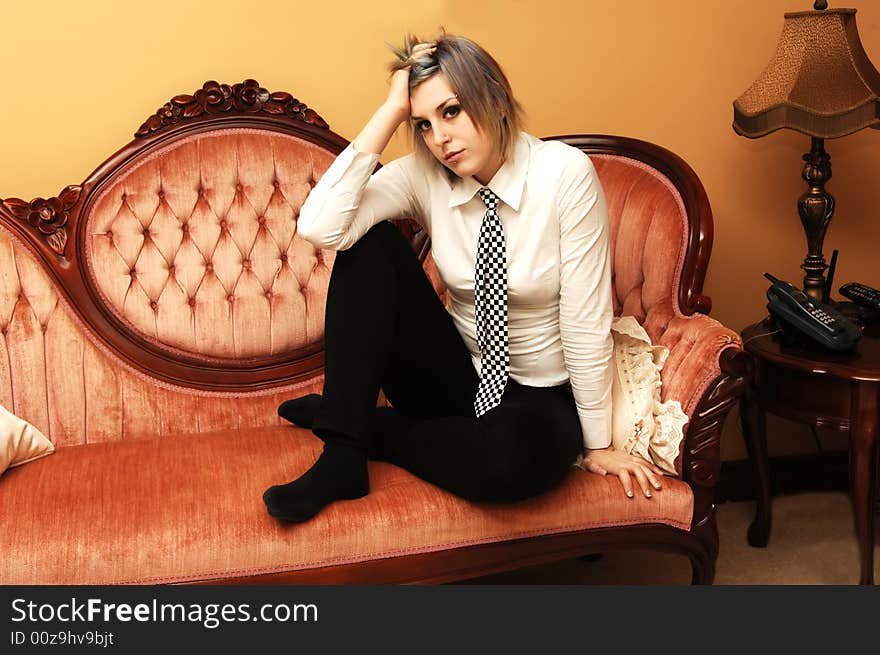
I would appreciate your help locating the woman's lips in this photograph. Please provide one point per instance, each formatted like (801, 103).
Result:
(453, 157)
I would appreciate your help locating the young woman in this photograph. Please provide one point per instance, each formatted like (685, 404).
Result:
(497, 397)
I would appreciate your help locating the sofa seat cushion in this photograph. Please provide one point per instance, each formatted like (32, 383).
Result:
(189, 508)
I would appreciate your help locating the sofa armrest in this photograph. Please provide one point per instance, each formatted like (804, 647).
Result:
(706, 372)
(696, 344)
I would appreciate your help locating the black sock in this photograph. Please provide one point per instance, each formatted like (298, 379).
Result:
(340, 473)
(300, 411)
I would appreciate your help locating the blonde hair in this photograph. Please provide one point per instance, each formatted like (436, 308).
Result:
(476, 78)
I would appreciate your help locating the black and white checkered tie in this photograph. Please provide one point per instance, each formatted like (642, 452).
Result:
(490, 301)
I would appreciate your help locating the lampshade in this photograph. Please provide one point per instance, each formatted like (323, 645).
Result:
(819, 82)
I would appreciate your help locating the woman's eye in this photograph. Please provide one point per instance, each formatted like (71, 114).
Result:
(423, 126)
(452, 111)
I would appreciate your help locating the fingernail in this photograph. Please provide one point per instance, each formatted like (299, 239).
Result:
(629, 493)
(648, 494)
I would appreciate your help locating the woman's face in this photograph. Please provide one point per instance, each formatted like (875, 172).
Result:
(450, 134)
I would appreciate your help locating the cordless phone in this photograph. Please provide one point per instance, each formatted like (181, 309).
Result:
(807, 317)
(861, 294)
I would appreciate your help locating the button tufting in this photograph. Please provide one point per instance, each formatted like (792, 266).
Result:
(161, 193)
(269, 294)
(283, 258)
(276, 184)
(153, 305)
(191, 302)
(185, 228)
(238, 186)
(209, 267)
(230, 298)
(124, 196)
(246, 264)
(133, 273)
(146, 231)
(303, 290)
(261, 220)
(109, 234)
(223, 224)
(171, 269)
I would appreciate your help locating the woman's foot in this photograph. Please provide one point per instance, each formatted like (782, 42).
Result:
(340, 473)
(300, 411)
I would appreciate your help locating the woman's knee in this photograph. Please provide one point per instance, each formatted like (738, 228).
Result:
(368, 266)
(378, 241)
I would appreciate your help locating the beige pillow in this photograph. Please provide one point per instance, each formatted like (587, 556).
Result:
(20, 442)
(640, 423)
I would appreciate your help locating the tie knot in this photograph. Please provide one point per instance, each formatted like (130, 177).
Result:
(489, 198)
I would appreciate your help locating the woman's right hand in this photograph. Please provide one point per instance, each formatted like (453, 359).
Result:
(608, 461)
(398, 94)
(376, 134)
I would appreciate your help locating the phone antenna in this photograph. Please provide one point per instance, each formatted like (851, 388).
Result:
(826, 292)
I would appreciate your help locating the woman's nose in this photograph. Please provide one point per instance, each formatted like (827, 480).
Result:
(440, 136)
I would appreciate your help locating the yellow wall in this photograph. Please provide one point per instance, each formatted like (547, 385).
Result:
(79, 78)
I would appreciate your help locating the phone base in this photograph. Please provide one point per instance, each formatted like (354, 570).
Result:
(792, 337)
(858, 313)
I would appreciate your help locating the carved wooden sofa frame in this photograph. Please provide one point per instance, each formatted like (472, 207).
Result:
(119, 392)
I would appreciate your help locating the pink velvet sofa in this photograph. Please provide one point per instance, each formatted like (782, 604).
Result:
(154, 316)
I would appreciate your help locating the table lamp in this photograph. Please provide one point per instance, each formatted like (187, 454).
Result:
(821, 83)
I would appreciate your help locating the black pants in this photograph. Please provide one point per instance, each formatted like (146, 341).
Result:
(386, 328)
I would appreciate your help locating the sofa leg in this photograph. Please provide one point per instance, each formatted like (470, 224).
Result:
(592, 557)
(704, 555)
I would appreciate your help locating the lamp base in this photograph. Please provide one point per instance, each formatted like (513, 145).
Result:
(815, 207)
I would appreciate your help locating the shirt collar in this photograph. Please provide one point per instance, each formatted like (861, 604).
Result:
(508, 183)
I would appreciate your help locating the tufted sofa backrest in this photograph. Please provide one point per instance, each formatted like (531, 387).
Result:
(170, 293)
(195, 247)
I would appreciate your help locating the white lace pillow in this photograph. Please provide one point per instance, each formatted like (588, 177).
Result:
(20, 442)
(640, 423)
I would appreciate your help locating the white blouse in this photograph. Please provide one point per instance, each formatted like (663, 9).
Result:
(557, 233)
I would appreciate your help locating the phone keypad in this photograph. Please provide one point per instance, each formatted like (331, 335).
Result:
(823, 316)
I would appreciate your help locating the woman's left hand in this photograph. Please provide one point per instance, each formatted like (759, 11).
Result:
(617, 462)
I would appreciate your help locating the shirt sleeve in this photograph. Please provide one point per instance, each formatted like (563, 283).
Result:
(585, 301)
(348, 199)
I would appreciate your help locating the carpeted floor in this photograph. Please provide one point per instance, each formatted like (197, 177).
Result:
(812, 543)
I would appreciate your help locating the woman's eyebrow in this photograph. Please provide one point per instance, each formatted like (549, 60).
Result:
(437, 108)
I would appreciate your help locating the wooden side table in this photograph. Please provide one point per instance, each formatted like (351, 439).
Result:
(824, 389)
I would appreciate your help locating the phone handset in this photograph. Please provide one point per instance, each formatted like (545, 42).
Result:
(801, 304)
(817, 322)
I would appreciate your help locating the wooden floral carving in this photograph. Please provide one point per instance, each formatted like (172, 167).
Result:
(47, 216)
(248, 97)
